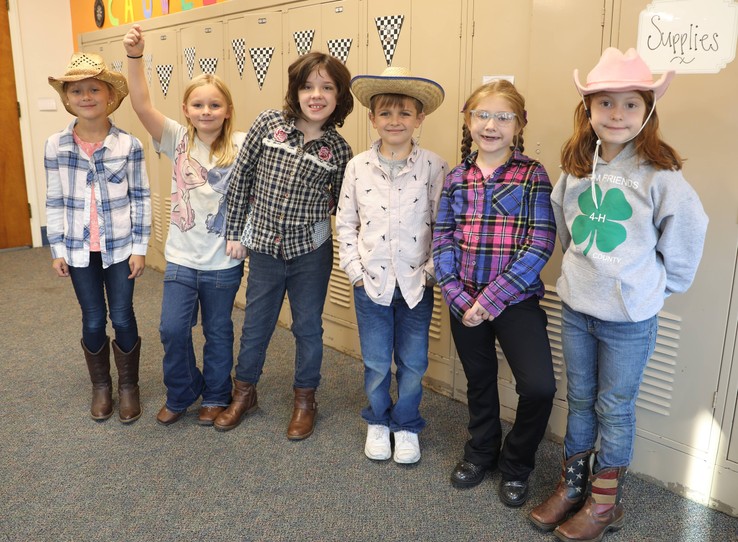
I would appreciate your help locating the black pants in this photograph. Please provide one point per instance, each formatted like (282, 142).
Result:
(521, 332)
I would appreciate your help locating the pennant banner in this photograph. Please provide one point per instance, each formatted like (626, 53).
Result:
(304, 41)
(208, 65)
(340, 48)
(165, 75)
(239, 51)
(189, 54)
(261, 57)
(389, 32)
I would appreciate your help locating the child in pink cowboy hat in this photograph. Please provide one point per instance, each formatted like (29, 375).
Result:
(632, 231)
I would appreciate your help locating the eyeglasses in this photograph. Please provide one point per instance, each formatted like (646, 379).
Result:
(503, 118)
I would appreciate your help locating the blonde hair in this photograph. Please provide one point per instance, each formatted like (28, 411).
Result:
(505, 90)
(222, 148)
(576, 154)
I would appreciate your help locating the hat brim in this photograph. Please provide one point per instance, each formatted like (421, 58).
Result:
(658, 87)
(115, 79)
(428, 92)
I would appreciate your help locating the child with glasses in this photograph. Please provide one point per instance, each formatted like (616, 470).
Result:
(494, 233)
(632, 231)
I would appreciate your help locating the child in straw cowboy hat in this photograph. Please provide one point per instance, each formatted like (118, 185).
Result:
(98, 222)
(632, 231)
(384, 223)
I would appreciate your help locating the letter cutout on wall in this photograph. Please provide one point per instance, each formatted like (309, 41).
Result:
(239, 52)
(261, 57)
(304, 41)
(340, 48)
(113, 19)
(389, 28)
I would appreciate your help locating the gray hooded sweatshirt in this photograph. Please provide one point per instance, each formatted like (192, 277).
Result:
(630, 239)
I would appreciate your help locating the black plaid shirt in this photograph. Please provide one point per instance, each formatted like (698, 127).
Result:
(289, 186)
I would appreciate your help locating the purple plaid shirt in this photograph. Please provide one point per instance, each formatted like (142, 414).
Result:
(493, 236)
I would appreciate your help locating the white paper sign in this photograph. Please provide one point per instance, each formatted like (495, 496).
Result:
(688, 36)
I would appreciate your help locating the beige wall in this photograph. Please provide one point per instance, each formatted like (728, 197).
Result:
(41, 37)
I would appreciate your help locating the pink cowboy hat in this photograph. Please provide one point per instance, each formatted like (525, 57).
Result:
(620, 72)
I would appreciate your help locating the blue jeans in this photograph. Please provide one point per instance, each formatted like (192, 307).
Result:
(403, 330)
(604, 369)
(92, 284)
(186, 292)
(305, 280)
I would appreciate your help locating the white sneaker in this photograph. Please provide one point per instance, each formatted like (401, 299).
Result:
(378, 442)
(407, 447)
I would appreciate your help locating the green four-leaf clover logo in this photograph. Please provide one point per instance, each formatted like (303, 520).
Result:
(597, 221)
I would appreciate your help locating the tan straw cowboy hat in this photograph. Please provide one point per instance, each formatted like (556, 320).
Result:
(396, 80)
(86, 66)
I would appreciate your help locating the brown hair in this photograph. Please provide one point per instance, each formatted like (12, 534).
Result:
(222, 148)
(298, 74)
(576, 154)
(393, 100)
(505, 90)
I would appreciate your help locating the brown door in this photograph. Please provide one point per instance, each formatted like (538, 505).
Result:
(15, 216)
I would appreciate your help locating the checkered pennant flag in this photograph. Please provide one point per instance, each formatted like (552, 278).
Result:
(116, 65)
(340, 48)
(239, 49)
(165, 76)
(304, 41)
(389, 32)
(149, 66)
(189, 54)
(261, 57)
(208, 65)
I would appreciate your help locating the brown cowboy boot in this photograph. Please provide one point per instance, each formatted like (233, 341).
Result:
(303, 415)
(568, 496)
(127, 363)
(98, 364)
(602, 512)
(244, 402)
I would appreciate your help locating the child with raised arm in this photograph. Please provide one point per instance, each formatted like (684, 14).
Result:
(286, 182)
(384, 224)
(632, 231)
(203, 274)
(98, 213)
(494, 233)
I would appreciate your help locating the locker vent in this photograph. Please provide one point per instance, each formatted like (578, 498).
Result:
(438, 306)
(156, 221)
(656, 390)
(167, 214)
(658, 379)
(339, 287)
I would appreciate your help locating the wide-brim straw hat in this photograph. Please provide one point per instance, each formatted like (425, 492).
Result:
(86, 66)
(397, 80)
(620, 72)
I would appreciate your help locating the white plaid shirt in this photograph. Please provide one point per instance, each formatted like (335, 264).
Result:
(290, 187)
(117, 174)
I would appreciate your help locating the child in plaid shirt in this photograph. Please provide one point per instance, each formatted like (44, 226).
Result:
(285, 185)
(98, 213)
(494, 233)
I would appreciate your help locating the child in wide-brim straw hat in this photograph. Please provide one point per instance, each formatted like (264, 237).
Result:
(90, 66)
(384, 222)
(98, 213)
